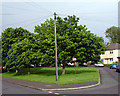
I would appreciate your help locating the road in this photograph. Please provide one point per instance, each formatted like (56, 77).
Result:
(109, 85)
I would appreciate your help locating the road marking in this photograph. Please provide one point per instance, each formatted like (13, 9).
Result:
(50, 92)
(57, 93)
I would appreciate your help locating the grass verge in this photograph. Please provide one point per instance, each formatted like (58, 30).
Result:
(47, 75)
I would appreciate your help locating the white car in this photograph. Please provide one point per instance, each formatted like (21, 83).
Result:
(99, 65)
(70, 64)
(32, 66)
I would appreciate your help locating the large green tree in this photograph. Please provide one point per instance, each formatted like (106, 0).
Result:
(23, 53)
(113, 34)
(45, 40)
(73, 40)
(17, 45)
(11, 36)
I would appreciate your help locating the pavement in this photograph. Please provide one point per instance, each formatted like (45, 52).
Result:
(50, 87)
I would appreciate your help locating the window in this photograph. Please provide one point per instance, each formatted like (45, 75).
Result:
(111, 52)
(102, 60)
(111, 59)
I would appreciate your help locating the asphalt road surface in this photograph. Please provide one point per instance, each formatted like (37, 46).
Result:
(109, 85)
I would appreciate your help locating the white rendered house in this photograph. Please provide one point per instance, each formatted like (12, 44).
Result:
(112, 54)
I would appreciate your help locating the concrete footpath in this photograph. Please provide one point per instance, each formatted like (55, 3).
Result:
(50, 87)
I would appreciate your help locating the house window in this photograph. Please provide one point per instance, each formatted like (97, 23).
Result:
(102, 60)
(111, 59)
(111, 52)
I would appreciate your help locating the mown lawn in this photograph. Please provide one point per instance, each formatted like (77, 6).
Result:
(47, 75)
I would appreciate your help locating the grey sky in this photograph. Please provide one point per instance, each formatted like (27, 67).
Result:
(97, 16)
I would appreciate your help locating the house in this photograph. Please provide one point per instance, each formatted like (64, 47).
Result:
(112, 54)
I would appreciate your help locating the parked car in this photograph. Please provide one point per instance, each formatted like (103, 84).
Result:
(83, 65)
(32, 66)
(113, 66)
(99, 65)
(70, 64)
(118, 68)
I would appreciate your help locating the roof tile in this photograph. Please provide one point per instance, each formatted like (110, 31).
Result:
(114, 46)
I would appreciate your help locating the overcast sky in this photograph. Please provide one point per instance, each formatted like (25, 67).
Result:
(97, 15)
(60, 0)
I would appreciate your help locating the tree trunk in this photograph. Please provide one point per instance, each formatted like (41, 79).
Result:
(28, 70)
(35, 65)
(63, 71)
(16, 71)
(8, 70)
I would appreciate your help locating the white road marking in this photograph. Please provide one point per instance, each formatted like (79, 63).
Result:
(56, 93)
(50, 92)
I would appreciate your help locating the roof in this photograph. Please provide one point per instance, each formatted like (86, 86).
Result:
(114, 46)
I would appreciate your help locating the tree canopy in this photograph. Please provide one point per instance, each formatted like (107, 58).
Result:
(113, 34)
(23, 48)
(73, 40)
(23, 54)
(16, 43)
(11, 36)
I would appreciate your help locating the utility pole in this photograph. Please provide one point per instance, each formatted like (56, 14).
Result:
(55, 47)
